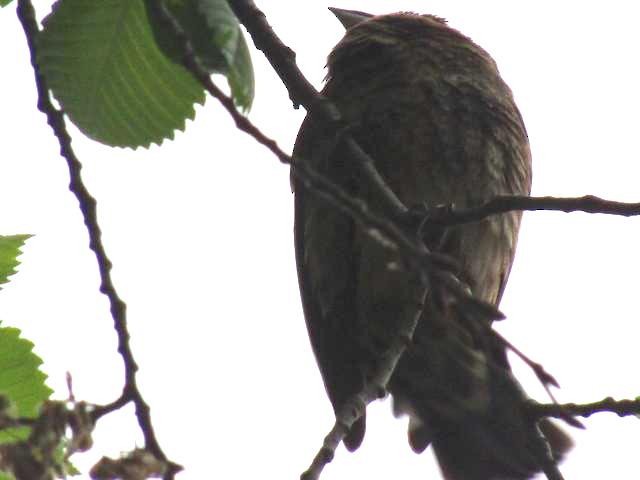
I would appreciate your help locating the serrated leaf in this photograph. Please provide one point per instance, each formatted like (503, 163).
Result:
(9, 250)
(20, 379)
(104, 67)
(217, 40)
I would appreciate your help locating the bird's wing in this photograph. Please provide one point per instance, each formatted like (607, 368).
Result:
(325, 263)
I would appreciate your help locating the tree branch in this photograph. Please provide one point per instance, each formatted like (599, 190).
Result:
(301, 92)
(622, 408)
(447, 215)
(88, 208)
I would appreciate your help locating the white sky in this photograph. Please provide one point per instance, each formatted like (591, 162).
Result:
(200, 234)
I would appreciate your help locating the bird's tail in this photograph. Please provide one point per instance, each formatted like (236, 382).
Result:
(464, 401)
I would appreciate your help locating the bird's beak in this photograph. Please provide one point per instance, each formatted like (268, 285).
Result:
(350, 18)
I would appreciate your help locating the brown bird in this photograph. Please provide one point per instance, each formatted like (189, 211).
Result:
(429, 106)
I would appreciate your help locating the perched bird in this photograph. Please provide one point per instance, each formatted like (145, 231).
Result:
(429, 106)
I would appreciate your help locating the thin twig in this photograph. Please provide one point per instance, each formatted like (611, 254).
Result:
(100, 411)
(544, 377)
(622, 408)
(87, 204)
(447, 215)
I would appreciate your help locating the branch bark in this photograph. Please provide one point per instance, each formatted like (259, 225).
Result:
(447, 215)
(622, 408)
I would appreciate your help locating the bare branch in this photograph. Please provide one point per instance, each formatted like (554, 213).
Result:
(447, 215)
(622, 408)
(544, 377)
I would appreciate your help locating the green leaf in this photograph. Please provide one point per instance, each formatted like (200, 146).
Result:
(21, 381)
(6, 476)
(105, 69)
(241, 78)
(217, 40)
(9, 251)
(4, 3)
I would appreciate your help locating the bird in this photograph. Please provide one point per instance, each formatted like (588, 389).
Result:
(430, 108)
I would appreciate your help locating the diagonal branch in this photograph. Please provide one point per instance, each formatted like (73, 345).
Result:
(87, 204)
(301, 92)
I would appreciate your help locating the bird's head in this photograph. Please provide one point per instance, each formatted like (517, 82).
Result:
(351, 18)
(376, 40)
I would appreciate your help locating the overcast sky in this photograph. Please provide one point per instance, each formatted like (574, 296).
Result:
(200, 234)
